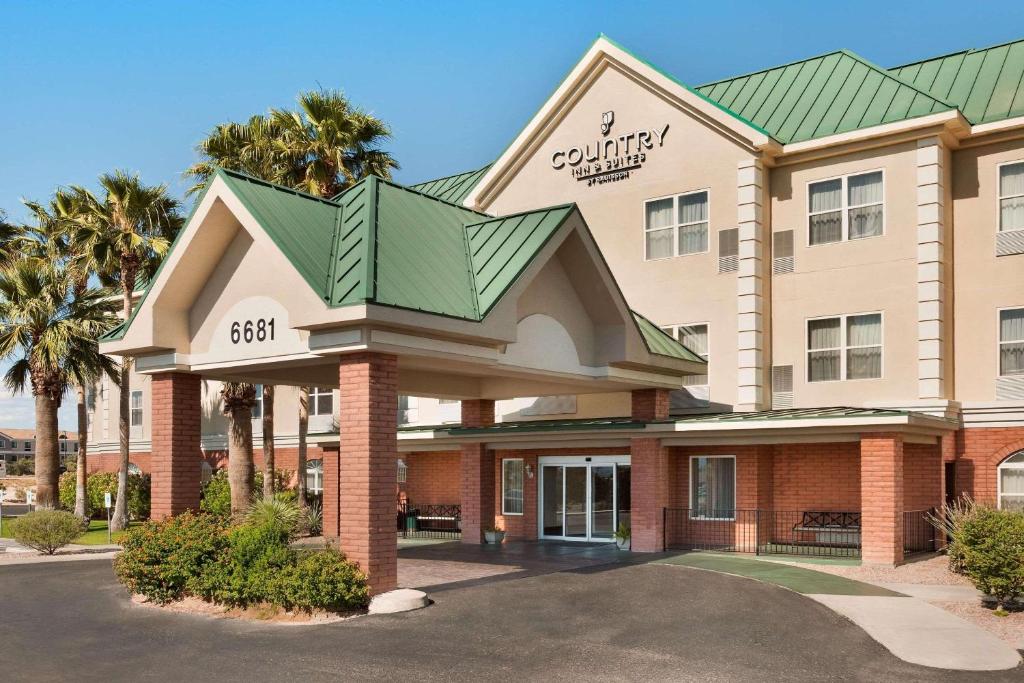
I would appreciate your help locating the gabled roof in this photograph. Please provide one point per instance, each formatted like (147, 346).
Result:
(659, 342)
(452, 188)
(986, 84)
(833, 93)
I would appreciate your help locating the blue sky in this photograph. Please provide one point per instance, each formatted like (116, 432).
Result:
(88, 87)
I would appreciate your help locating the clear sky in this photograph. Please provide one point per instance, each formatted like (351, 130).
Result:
(86, 87)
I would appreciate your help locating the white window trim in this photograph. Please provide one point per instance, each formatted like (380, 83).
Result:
(843, 348)
(1000, 342)
(313, 407)
(522, 493)
(131, 409)
(1000, 197)
(689, 493)
(999, 478)
(844, 209)
(258, 401)
(674, 226)
(705, 356)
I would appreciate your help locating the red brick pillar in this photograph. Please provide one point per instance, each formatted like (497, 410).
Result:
(649, 488)
(881, 496)
(477, 465)
(650, 404)
(177, 443)
(367, 466)
(331, 498)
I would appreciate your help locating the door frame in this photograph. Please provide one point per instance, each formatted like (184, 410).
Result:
(586, 461)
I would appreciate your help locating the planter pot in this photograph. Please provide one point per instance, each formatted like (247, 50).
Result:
(495, 537)
(622, 543)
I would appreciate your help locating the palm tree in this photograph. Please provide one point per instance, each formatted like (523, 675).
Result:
(49, 330)
(321, 148)
(268, 441)
(238, 399)
(125, 234)
(10, 239)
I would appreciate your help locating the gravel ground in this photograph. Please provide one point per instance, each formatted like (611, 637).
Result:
(933, 571)
(1009, 628)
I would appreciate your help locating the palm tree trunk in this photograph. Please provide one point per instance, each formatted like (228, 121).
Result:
(81, 463)
(268, 441)
(303, 429)
(119, 520)
(47, 459)
(240, 465)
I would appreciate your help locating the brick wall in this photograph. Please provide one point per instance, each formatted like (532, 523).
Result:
(176, 426)
(881, 498)
(817, 476)
(649, 404)
(432, 478)
(980, 451)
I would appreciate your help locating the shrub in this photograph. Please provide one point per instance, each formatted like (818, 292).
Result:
(244, 573)
(101, 482)
(22, 467)
(216, 496)
(321, 580)
(949, 520)
(277, 512)
(314, 519)
(993, 553)
(46, 530)
(160, 559)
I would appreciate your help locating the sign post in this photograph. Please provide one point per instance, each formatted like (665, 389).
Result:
(30, 499)
(3, 494)
(106, 504)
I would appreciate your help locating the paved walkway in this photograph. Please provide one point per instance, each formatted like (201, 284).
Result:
(910, 628)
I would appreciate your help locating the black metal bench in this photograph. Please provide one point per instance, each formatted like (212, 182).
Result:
(831, 528)
(430, 518)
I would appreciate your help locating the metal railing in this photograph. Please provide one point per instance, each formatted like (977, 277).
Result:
(429, 521)
(919, 536)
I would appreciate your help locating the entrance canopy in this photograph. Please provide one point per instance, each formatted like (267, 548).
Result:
(267, 284)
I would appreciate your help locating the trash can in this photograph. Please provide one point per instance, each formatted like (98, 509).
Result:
(410, 520)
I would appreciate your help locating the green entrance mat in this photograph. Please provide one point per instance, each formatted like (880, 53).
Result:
(794, 578)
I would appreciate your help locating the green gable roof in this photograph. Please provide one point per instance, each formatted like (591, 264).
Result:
(663, 344)
(453, 188)
(985, 84)
(833, 93)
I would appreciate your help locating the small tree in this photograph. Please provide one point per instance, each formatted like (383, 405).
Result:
(993, 553)
(238, 400)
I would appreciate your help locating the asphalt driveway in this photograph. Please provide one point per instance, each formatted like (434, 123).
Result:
(603, 622)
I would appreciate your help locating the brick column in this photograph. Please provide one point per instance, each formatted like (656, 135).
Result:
(649, 404)
(331, 497)
(367, 468)
(649, 478)
(177, 451)
(477, 466)
(881, 496)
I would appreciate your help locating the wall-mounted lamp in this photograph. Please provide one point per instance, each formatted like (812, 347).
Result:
(529, 471)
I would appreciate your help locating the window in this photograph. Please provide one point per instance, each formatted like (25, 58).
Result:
(1011, 482)
(321, 401)
(847, 208)
(676, 226)
(512, 486)
(136, 409)
(257, 407)
(1011, 197)
(3, 444)
(1011, 342)
(695, 338)
(403, 471)
(27, 446)
(712, 486)
(844, 347)
(315, 477)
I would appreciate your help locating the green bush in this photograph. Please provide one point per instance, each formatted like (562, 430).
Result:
(313, 523)
(992, 547)
(216, 495)
(244, 573)
(160, 559)
(99, 483)
(321, 580)
(46, 530)
(277, 512)
(21, 467)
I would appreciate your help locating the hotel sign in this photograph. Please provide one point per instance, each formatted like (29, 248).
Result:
(611, 158)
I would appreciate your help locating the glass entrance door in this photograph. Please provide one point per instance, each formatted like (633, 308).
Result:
(582, 501)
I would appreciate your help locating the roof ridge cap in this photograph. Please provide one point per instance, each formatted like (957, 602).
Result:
(770, 68)
(275, 186)
(554, 207)
(885, 72)
(446, 177)
(966, 51)
(399, 186)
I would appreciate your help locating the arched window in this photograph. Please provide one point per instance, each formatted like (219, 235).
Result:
(205, 472)
(134, 469)
(315, 477)
(1011, 482)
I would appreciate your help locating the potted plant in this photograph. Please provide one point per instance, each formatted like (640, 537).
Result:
(622, 536)
(494, 535)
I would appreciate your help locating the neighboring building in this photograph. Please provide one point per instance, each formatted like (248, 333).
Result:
(20, 444)
(843, 244)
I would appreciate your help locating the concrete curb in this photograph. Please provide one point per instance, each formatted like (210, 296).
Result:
(400, 600)
(924, 634)
(8, 559)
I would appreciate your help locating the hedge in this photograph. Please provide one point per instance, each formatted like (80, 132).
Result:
(99, 483)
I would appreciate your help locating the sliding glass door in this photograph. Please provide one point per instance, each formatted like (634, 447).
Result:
(581, 500)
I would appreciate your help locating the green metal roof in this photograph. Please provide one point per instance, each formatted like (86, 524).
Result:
(985, 84)
(661, 343)
(453, 188)
(833, 93)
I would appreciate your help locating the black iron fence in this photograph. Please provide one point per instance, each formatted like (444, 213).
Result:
(429, 521)
(786, 532)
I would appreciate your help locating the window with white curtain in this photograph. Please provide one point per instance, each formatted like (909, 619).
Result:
(694, 337)
(1011, 482)
(844, 347)
(1011, 197)
(676, 226)
(257, 408)
(512, 486)
(713, 487)
(136, 409)
(847, 208)
(1011, 341)
(315, 477)
(321, 401)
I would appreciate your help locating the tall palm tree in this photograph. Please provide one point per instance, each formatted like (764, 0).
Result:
(125, 231)
(268, 441)
(49, 330)
(238, 398)
(321, 148)
(10, 239)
